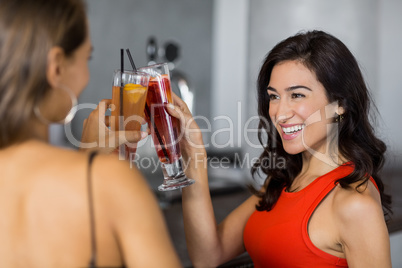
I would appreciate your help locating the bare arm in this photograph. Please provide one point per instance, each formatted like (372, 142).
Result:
(363, 232)
(135, 217)
(208, 244)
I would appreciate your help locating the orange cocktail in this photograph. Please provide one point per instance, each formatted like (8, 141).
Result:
(129, 94)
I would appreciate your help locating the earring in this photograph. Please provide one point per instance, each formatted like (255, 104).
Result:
(339, 118)
(70, 115)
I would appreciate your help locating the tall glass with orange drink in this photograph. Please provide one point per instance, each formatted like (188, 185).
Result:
(164, 127)
(128, 98)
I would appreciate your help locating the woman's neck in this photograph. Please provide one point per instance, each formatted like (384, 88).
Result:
(320, 164)
(39, 131)
(312, 168)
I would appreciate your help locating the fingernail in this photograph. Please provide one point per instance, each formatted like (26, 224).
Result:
(144, 135)
(171, 106)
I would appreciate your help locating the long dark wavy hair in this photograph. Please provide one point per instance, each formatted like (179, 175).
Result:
(338, 71)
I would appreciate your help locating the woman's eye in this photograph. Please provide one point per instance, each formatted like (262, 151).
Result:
(273, 97)
(297, 95)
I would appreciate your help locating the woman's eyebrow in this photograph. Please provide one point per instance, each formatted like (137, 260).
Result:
(297, 87)
(290, 88)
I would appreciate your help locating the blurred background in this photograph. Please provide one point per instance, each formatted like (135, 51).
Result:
(217, 47)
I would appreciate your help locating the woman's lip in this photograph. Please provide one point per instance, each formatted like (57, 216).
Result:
(290, 136)
(290, 125)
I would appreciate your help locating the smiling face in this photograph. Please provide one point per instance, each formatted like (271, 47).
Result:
(299, 108)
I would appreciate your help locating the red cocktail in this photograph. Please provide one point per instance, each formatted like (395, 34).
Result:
(159, 94)
(164, 127)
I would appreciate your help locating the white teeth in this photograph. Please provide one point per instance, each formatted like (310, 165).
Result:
(290, 130)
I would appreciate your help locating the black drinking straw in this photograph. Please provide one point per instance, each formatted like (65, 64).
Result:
(148, 111)
(121, 80)
(131, 59)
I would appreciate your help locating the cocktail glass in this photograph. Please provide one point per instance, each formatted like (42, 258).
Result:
(129, 94)
(164, 128)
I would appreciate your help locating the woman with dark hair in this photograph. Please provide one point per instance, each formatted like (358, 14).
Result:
(326, 206)
(58, 207)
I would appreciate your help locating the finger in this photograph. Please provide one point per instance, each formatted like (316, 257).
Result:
(173, 110)
(103, 106)
(130, 136)
(108, 102)
(107, 121)
(179, 102)
(176, 112)
(100, 111)
(135, 136)
(85, 122)
(142, 120)
(148, 130)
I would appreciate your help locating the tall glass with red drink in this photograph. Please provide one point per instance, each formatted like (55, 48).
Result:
(164, 127)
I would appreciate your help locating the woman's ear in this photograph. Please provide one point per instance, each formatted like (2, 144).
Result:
(55, 59)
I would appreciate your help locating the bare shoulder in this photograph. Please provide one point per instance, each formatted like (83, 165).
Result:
(110, 166)
(114, 182)
(357, 203)
(109, 174)
(131, 209)
(362, 231)
(115, 176)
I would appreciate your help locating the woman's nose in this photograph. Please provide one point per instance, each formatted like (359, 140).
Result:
(283, 112)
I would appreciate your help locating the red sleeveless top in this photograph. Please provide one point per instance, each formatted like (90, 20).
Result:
(279, 238)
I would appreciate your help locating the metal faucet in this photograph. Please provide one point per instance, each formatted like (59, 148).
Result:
(178, 80)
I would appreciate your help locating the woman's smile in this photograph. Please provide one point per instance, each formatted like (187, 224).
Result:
(291, 131)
